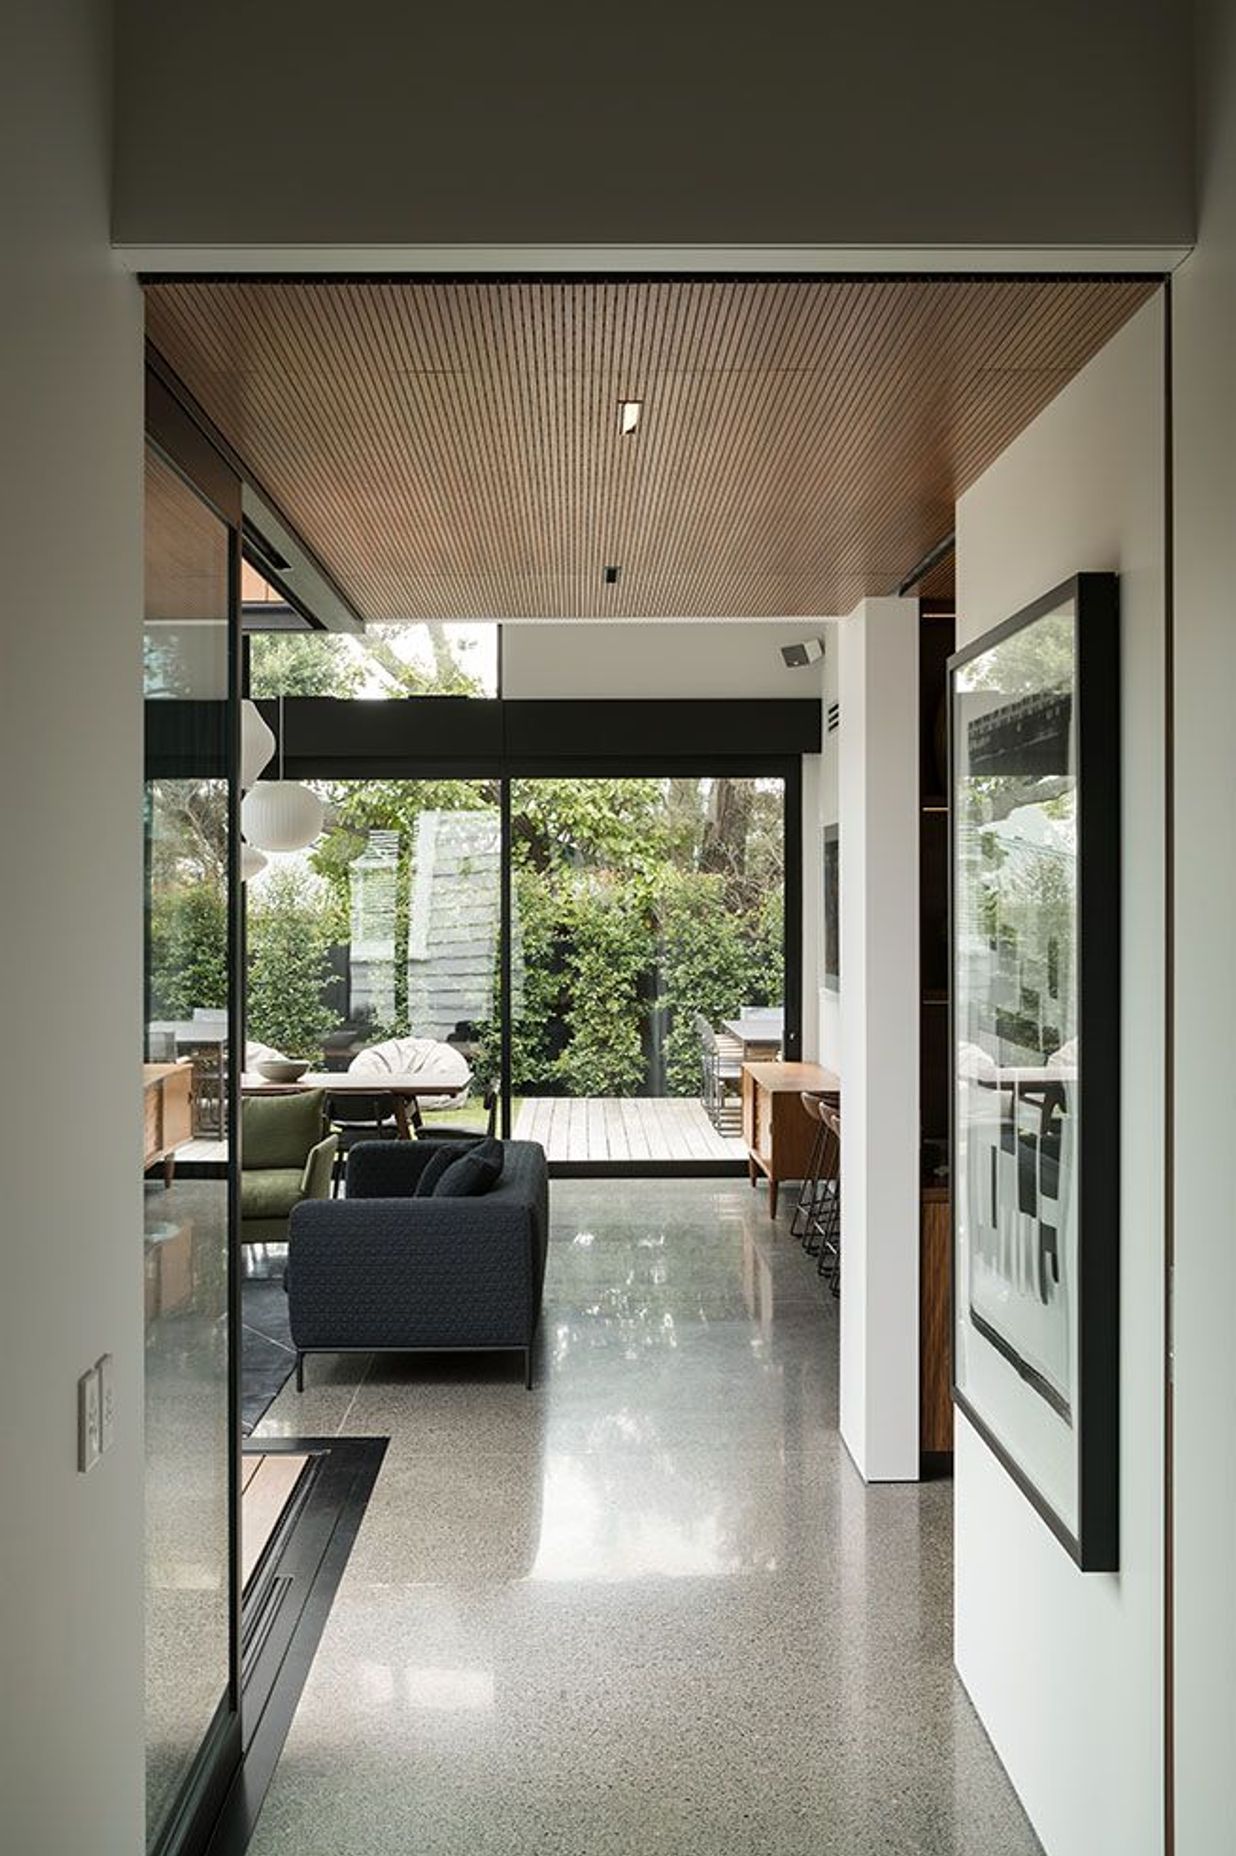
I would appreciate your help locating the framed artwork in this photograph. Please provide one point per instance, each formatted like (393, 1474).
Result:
(1035, 954)
(832, 920)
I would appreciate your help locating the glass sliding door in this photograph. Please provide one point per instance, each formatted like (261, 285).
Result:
(190, 679)
(648, 960)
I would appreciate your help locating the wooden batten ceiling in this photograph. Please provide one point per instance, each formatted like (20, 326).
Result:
(452, 450)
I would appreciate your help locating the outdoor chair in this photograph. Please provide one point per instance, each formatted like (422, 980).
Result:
(438, 1131)
(721, 1074)
(371, 1118)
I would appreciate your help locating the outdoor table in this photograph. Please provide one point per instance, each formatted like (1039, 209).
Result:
(401, 1086)
(757, 1032)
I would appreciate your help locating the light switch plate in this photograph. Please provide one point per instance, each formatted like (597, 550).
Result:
(88, 1427)
(106, 1369)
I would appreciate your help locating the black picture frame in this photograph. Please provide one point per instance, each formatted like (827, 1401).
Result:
(1087, 715)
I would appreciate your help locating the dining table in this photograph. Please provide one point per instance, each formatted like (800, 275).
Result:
(404, 1088)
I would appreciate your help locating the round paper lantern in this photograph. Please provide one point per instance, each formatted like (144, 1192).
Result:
(251, 861)
(257, 743)
(281, 815)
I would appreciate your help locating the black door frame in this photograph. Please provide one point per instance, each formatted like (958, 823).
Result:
(504, 740)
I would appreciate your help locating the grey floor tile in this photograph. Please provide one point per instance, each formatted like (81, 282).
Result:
(648, 1606)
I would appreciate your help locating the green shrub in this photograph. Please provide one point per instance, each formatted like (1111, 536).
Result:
(607, 949)
(188, 950)
(292, 925)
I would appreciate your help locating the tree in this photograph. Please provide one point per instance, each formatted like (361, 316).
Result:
(292, 926)
(187, 942)
(303, 664)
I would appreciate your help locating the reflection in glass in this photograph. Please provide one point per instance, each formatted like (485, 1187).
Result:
(186, 1221)
(1018, 1044)
(385, 930)
(384, 663)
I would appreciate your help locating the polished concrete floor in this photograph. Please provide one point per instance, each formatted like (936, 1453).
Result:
(650, 1605)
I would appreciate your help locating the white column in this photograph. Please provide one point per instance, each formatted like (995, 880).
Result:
(879, 819)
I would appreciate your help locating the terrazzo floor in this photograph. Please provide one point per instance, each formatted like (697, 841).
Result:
(650, 1605)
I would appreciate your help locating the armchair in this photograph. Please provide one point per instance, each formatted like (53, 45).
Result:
(286, 1158)
(383, 1271)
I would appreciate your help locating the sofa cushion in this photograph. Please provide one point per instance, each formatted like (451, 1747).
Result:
(471, 1173)
(443, 1156)
(270, 1192)
(278, 1131)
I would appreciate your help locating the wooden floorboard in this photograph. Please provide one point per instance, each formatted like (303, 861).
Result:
(619, 1128)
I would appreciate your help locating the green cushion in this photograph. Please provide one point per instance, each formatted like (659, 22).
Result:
(280, 1130)
(269, 1192)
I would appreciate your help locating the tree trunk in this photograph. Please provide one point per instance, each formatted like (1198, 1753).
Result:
(724, 849)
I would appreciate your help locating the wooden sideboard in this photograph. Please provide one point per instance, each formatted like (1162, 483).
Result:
(778, 1132)
(167, 1102)
(935, 1330)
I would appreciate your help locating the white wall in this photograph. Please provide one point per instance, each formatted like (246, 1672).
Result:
(493, 126)
(878, 805)
(1066, 1668)
(1204, 417)
(71, 1750)
(657, 659)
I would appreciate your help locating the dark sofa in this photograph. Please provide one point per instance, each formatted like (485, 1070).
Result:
(382, 1271)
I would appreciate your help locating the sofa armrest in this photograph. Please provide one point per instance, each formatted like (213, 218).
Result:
(386, 1169)
(407, 1273)
(315, 1180)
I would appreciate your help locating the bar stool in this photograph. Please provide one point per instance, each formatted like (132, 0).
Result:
(801, 1225)
(828, 1218)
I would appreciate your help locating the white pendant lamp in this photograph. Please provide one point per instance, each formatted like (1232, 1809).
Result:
(257, 743)
(251, 861)
(281, 815)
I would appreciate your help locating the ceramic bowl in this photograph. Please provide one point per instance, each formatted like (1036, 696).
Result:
(282, 1070)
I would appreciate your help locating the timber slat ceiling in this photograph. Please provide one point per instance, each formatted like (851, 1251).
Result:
(451, 450)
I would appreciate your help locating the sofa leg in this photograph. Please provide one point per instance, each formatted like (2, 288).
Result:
(528, 1369)
(300, 1372)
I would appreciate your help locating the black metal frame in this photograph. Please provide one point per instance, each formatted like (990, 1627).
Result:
(476, 738)
(1096, 634)
(289, 1600)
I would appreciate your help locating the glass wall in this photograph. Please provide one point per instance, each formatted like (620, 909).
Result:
(382, 663)
(387, 927)
(189, 1594)
(648, 930)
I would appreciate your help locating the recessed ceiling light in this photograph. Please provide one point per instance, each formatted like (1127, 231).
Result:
(628, 415)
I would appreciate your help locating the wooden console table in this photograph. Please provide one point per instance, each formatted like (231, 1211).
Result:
(167, 1105)
(777, 1129)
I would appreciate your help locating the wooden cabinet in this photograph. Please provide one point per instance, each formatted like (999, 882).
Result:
(937, 631)
(167, 1104)
(935, 1337)
(778, 1132)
